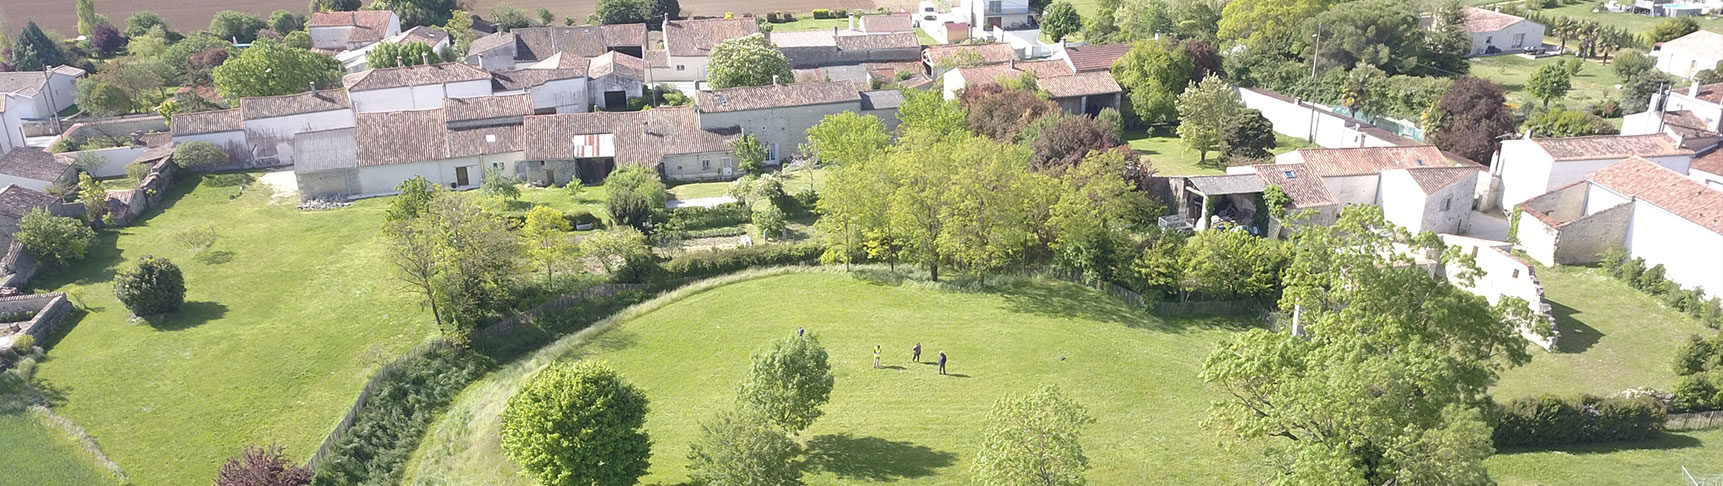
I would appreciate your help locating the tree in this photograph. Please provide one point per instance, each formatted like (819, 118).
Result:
(389, 54)
(1205, 111)
(284, 22)
(101, 98)
(616, 246)
(457, 258)
(428, 13)
(1059, 20)
(1248, 135)
(750, 154)
(547, 233)
(142, 22)
(623, 11)
(661, 9)
(1068, 141)
(88, 19)
(94, 197)
(788, 382)
(153, 287)
(54, 240)
(496, 184)
(1636, 92)
(1033, 439)
(262, 466)
(847, 138)
(1096, 209)
(198, 154)
(461, 33)
(506, 17)
(636, 197)
(747, 61)
(578, 424)
(1447, 43)
(1103, 25)
(1469, 119)
(1002, 113)
(1153, 74)
(34, 51)
(1379, 33)
(268, 68)
(1673, 28)
(1230, 265)
(994, 210)
(929, 114)
(1382, 374)
(1561, 122)
(239, 27)
(106, 40)
(1266, 24)
(297, 39)
(741, 448)
(1629, 62)
(335, 5)
(1549, 82)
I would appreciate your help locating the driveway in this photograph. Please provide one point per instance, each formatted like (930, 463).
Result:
(1489, 226)
(703, 202)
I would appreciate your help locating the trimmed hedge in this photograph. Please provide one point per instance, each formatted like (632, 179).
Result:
(1693, 302)
(708, 263)
(1551, 420)
(722, 215)
(387, 430)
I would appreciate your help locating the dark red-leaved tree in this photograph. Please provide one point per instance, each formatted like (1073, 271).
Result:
(1000, 113)
(1067, 142)
(1471, 117)
(106, 40)
(262, 466)
(209, 58)
(1205, 60)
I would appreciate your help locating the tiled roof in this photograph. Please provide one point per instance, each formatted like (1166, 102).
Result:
(884, 99)
(1045, 69)
(415, 75)
(1704, 43)
(1709, 92)
(990, 53)
(898, 22)
(657, 59)
(492, 41)
(851, 73)
(696, 38)
(155, 153)
(369, 25)
(1431, 179)
(424, 34)
(1096, 58)
(526, 78)
(16, 201)
(208, 122)
(639, 137)
(898, 40)
(1298, 182)
(482, 107)
(1645, 180)
(26, 83)
(803, 38)
(401, 137)
(1084, 84)
(535, 43)
(1711, 163)
(1481, 20)
(1371, 160)
(33, 164)
(778, 96)
(293, 104)
(1687, 125)
(889, 70)
(626, 66)
(1216, 185)
(1610, 147)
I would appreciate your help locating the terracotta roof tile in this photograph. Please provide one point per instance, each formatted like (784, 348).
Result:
(1711, 163)
(26, 83)
(483, 107)
(1301, 184)
(424, 34)
(1481, 20)
(16, 201)
(1645, 180)
(626, 66)
(1610, 147)
(696, 38)
(1215, 185)
(639, 137)
(897, 22)
(763, 97)
(898, 40)
(657, 59)
(1096, 58)
(536, 43)
(33, 164)
(492, 41)
(520, 79)
(293, 104)
(369, 25)
(1709, 92)
(208, 122)
(990, 53)
(1090, 83)
(1432, 179)
(402, 137)
(1372, 160)
(415, 75)
(1687, 125)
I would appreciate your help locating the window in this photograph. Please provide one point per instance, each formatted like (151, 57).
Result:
(1519, 40)
(1447, 203)
(705, 164)
(1489, 39)
(680, 67)
(1516, 273)
(1289, 174)
(728, 163)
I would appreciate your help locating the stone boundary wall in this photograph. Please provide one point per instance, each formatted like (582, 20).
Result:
(17, 266)
(50, 309)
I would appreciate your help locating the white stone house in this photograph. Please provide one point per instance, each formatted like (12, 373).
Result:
(1494, 32)
(518, 48)
(1653, 212)
(341, 31)
(1417, 187)
(271, 122)
(996, 14)
(33, 96)
(778, 115)
(357, 60)
(224, 128)
(416, 87)
(938, 59)
(588, 146)
(688, 42)
(613, 78)
(1693, 115)
(1691, 53)
(1531, 167)
(1075, 92)
(399, 145)
(34, 169)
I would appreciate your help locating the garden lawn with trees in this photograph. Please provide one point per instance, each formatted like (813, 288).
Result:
(286, 316)
(1161, 145)
(1594, 83)
(1137, 375)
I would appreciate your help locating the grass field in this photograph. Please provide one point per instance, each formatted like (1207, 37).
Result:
(36, 453)
(1634, 23)
(1138, 375)
(1595, 81)
(284, 320)
(1613, 338)
(696, 190)
(1653, 462)
(1171, 157)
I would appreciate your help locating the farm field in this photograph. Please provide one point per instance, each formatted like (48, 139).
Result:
(285, 318)
(1137, 374)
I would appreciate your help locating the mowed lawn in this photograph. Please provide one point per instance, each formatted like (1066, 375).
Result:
(36, 453)
(1641, 463)
(280, 330)
(1594, 83)
(1138, 376)
(1170, 156)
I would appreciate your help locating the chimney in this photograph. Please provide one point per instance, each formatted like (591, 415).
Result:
(426, 56)
(852, 22)
(1693, 91)
(1011, 62)
(834, 31)
(399, 62)
(644, 130)
(774, 80)
(313, 86)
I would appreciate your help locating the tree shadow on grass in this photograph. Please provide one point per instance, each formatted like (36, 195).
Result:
(1664, 441)
(1576, 336)
(873, 459)
(214, 257)
(190, 315)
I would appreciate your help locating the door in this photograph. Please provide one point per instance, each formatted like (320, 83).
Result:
(996, 22)
(550, 177)
(1519, 40)
(461, 177)
(615, 100)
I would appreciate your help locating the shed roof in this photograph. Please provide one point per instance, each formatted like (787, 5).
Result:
(1095, 58)
(400, 137)
(1081, 84)
(483, 107)
(368, 25)
(1215, 185)
(1642, 179)
(889, 40)
(895, 22)
(16, 201)
(884, 99)
(1432, 179)
(228, 120)
(1481, 20)
(36, 165)
(415, 75)
(293, 104)
(988, 53)
(697, 37)
(535, 43)
(623, 65)
(1711, 163)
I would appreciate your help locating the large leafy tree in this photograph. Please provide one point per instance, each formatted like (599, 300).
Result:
(747, 61)
(1469, 119)
(847, 138)
(1673, 28)
(1549, 82)
(750, 154)
(1206, 109)
(1379, 33)
(1266, 24)
(743, 448)
(1001, 113)
(578, 424)
(635, 196)
(54, 239)
(1636, 92)
(236, 26)
(454, 255)
(623, 11)
(995, 207)
(1229, 265)
(1096, 210)
(1248, 136)
(88, 19)
(142, 22)
(1059, 20)
(268, 68)
(429, 13)
(283, 22)
(1033, 438)
(1446, 43)
(1383, 373)
(547, 232)
(788, 382)
(34, 51)
(1153, 74)
(389, 54)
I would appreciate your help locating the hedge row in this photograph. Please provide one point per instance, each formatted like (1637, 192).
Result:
(722, 215)
(1692, 302)
(708, 263)
(1551, 420)
(388, 428)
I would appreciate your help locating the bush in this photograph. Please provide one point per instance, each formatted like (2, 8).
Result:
(137, 172)
(262, 466)
(578, 423)
(1652, 281)
(65, 144)
(1551, 420)
(722, 215)
(1698, 393)
(198, 154)
(1695, 355)
(807, 199)
(718, 232)
(54, 239)
(1608, 108)
(388, 427)
(708, 263)
(820, 13)
(581, 216)
(771, 221)
(151, 288)
(22, 343)
(840, 13)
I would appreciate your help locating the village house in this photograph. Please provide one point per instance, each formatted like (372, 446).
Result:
(34, 95)
(816, 48)
(34, 169)
(452, 145)
(518, 48)
(996, 14)
(1653, 212)
(937, 60)
(1529, 167)
(341, 31)
(1691, 53)
(1096, 58)
(271, 122)
(1494, 32)
(1693, 115)
(1417, 187)
(357, 60)
(416, 87)
(687, 43)
(588, 146)
(1076, 93)
(780, 115)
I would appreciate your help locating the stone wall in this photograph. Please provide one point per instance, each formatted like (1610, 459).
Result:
(50, 309)
(126, 205)
(1506, 276)
(17, 266)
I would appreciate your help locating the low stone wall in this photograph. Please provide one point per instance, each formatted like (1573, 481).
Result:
(17, 266)
(50, 309)
(126, 205)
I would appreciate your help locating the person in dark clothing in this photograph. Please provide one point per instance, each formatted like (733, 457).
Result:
(915, 353)
(941, 362)
(800, 331)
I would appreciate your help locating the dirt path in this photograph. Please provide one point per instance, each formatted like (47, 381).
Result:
(283, 185)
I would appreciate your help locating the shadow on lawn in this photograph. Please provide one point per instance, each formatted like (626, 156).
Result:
(1576, 336)
(1665, 441)
(872, 458)
(191, 315)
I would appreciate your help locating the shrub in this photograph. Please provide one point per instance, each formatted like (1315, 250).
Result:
(1608, 108)
(578, 423)
(708, 263)
(807, 199)
(262, 466)
(198, 154)
(153, 287)
(388, 427)
(1551, 420)
(722, 215)
(1695, 355)
(820, 13)
(54, 239)
(137, 172)
(65, 144)
(840, 13)
(1698, 393)
(771, 221)
(1652, 281)
(22, 343)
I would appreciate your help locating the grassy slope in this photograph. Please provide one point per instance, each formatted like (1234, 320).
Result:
(1138, 376)
(1653, 462)
(36, 453)
(272, 346)
(1171, 157)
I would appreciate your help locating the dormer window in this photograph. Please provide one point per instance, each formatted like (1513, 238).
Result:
(1289, 174)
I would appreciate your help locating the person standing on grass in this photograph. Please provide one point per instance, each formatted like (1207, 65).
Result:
(915, 353)
(941, 362)
(876, 356)
(800, 331)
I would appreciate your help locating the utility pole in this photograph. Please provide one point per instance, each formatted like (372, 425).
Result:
(1315, 52)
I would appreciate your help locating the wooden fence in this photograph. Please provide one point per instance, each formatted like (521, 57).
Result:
(1694, 421)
